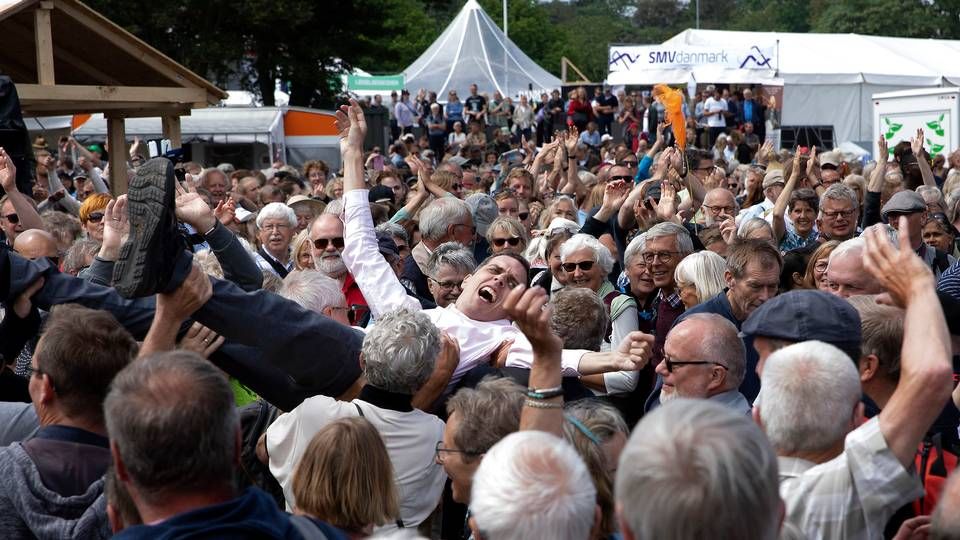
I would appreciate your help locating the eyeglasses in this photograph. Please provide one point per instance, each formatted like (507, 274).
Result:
(355, 312)
(12, 218)
(321, 243)
(513, 241)
(95, 217)
(473, 229)
(845, 213)
(624, 177)
(717, 210)
(672, 364)
(666, 257)
(439, 450)
(448, 285)
(523, 216)
(821, 266)
(629, 164)
(584, 266)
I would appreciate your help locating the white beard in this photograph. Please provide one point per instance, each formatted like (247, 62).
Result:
(667, 396)
(331, 266)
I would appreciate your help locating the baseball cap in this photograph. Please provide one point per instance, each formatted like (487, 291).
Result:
(830, 160)
(243, 215)
(772, 178)
(484, 210)
(904, 202)
(381, 194)
(386, 245)
(606, 137)
(805, 315)
(407, 137)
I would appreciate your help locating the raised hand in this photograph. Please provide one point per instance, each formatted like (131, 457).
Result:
(226, 211)
(883, 151)
(115, 228)
(615, 194)
(668, 206)
(192, 209)
(899, 271)
(573, 137)
(8, 172)
(352, 127)
(529, 310)
(633, 352)
(916, 143)
(728, 230)
(813, 164)
(763, 155)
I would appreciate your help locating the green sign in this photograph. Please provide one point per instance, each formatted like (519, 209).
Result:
(381, 83)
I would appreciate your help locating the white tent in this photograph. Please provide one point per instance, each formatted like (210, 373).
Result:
(474, 50)
(827, 78)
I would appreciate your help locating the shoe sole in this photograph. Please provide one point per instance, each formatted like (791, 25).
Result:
(150, 202)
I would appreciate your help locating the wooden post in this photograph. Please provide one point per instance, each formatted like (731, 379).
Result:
(44, 42)
(171, 130)
(117, 141)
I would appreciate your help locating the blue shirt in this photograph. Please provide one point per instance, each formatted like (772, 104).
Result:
(748, 111)
(455, 111)
(590, 139)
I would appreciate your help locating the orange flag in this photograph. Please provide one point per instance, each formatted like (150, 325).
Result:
(672, 101)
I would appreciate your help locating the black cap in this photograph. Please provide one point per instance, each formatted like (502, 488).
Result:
(388, 248)
(805, 315)
(381, 194)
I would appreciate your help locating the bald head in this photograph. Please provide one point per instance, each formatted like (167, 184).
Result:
(719, 204)
(36, 243)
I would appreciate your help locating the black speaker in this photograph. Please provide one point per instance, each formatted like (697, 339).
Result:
(14, 137)
(819, 136)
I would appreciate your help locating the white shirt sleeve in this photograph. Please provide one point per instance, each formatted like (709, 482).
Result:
(521, 355)
(618, 382)
(289, 435)
(361, 254)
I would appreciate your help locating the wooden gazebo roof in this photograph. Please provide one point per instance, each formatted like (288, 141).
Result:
(66, 58)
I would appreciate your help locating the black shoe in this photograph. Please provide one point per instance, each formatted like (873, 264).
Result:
(148, 258)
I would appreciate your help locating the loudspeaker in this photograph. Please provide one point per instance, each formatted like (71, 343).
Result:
(819, 136)
(14, 137)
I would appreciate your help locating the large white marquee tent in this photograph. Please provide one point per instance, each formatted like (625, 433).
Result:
(828, 79)
(473, 49)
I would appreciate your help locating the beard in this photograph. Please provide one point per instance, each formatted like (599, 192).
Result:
(667, 396)
(331, 265)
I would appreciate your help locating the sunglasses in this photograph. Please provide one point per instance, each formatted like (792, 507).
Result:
(624, 177)
(584, 266)
(457, 187)
(513, 241)
(321, 243)
(629, 164)
(95, 217)
(522, 216)
(12, 218)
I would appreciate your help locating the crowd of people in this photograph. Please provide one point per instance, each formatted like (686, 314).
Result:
(548, 335)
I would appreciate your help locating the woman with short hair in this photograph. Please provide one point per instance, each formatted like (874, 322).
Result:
(507, 235)
(699, 277)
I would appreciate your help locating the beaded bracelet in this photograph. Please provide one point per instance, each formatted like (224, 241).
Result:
(543, 404)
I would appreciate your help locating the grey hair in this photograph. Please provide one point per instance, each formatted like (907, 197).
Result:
(511, 225)
(667, 228)
(440, 214)
(721, 342)
(276, 210)
(334, 207)
(400, 351)
(704, 270)
(73, 260)
(754, 224)
(931, 194)
(852, 247)
(634, 248)
(488, 413)
(312, 290)
(700, 458)
(451, 254)
(205, 175)
(839, 192)
(601, 418)
(393, 229)
(146, 411)
(532, 484)
(601, 255)
(808, 393)
(579, 318)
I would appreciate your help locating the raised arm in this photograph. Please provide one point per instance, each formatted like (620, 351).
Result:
(22, 204)
(916, 144)
(780, 207)
(925, 361)
(173, 309)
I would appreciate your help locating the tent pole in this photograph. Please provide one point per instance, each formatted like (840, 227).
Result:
(506, 36)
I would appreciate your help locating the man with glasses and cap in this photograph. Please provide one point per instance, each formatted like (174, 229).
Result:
(910, 204)
(772, 186)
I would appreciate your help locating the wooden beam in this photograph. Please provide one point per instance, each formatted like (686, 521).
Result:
(60, 54)
(171, 130)
(109, 94)
(117, 141)
(120, 110)
(44, 43)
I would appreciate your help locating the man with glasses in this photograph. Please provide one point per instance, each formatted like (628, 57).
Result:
(17, 212)
(838, 215)
(326, 237)
(276, 224)
(704, 359)
(666, 245)
(911, 205)
(447, 219)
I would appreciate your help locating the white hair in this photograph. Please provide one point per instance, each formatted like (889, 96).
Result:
(696, 469)
(533, 485)
(400, 351)
(601, 255)
(440, 214)
(634, 248)
(312, 290)
(276, 210)
(668, 228)
(839, 192)
(704, 270)
(808, 394)
(853, 247)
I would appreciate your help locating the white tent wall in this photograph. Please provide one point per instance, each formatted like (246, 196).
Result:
(828, 79)
(471, 50)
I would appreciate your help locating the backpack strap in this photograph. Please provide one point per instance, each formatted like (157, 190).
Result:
(307, 528)
(359, 410)
(940, 260)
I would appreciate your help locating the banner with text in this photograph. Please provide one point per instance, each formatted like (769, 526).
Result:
(627, 58)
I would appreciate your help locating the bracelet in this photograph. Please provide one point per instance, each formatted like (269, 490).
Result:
(212, 228)
(544, 393)
(542, 405)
